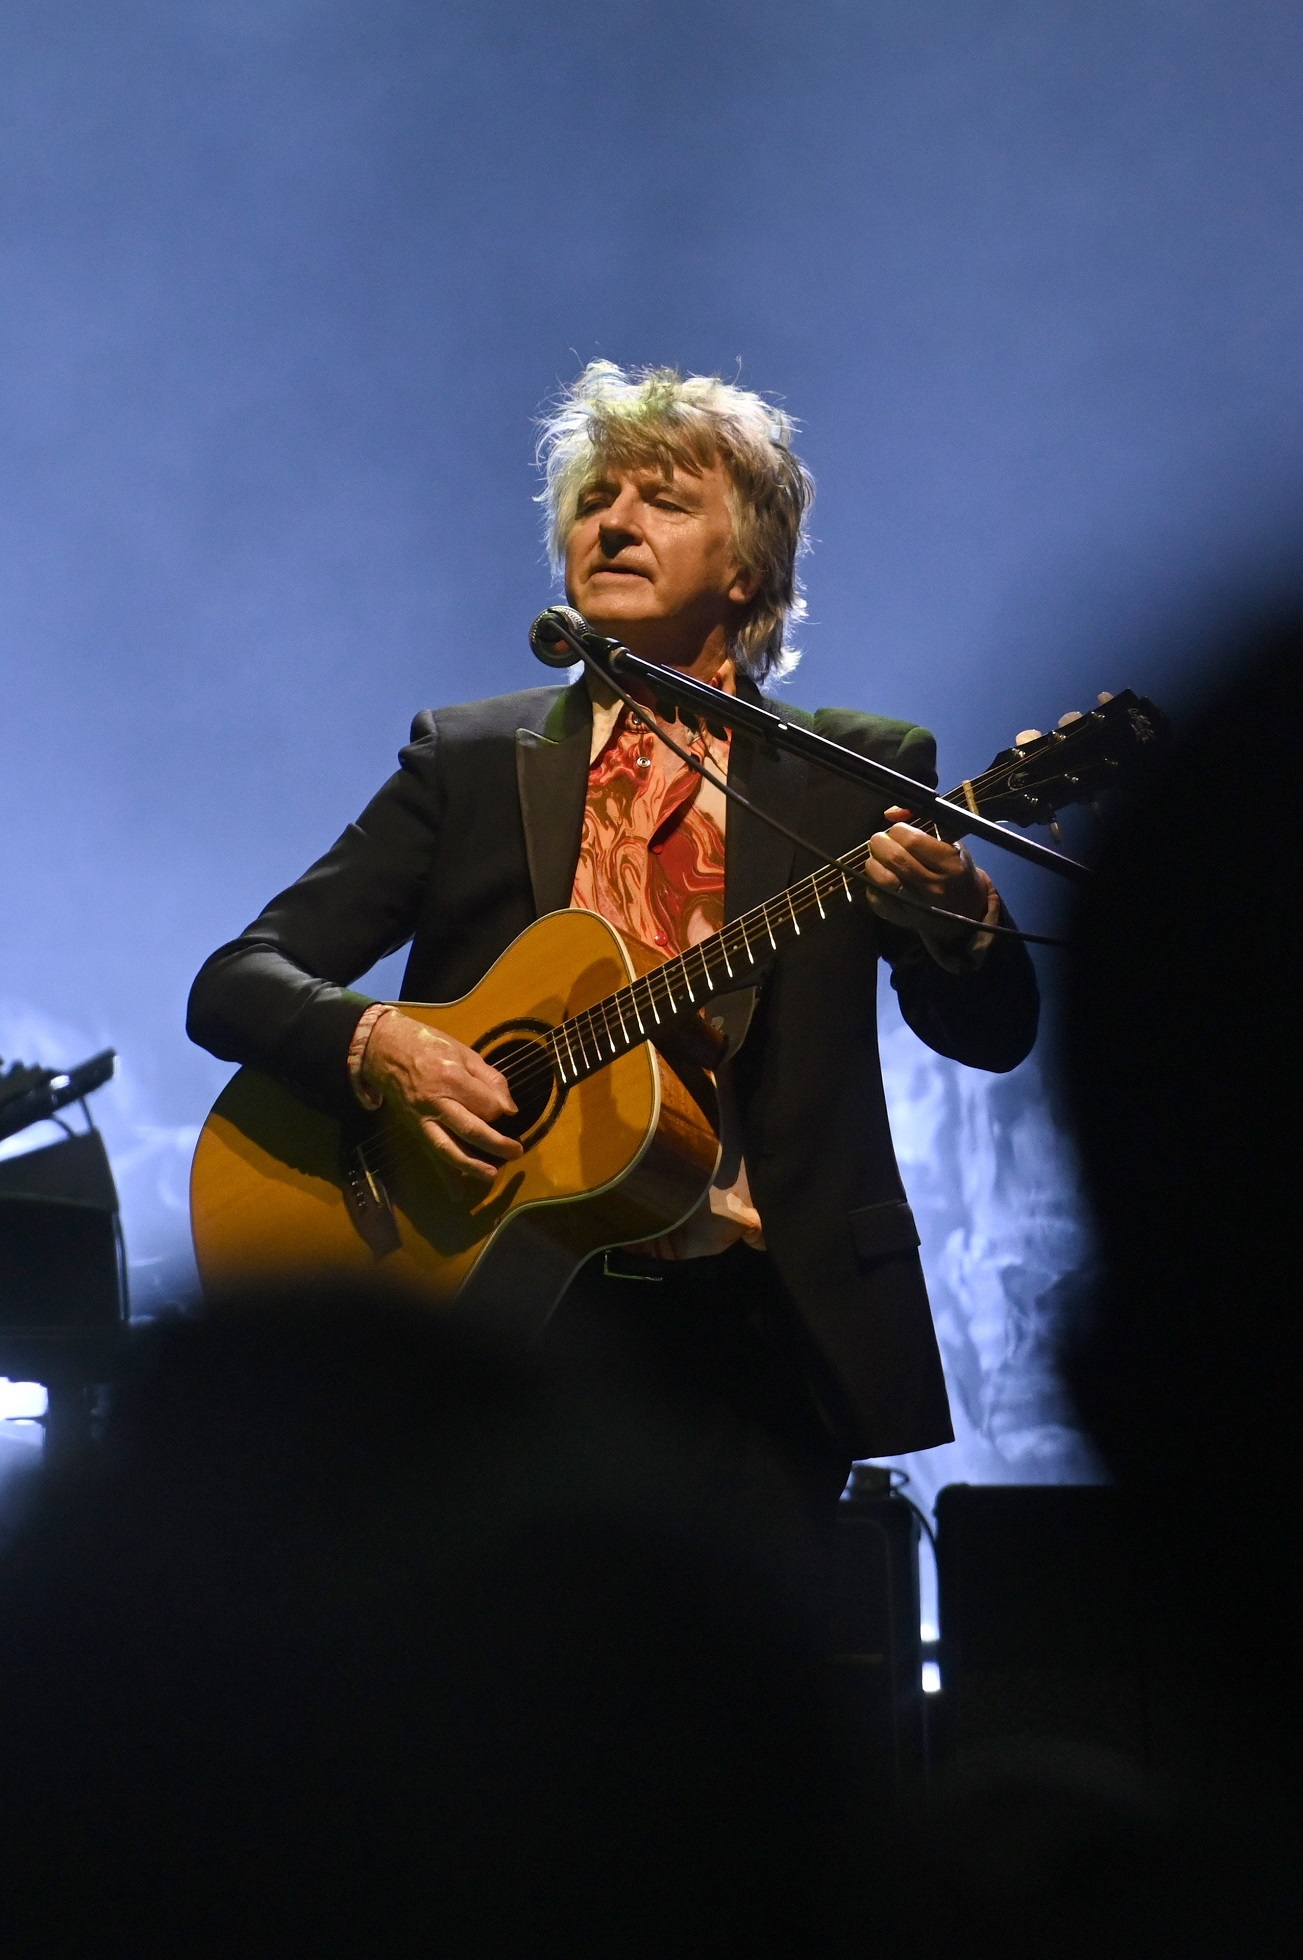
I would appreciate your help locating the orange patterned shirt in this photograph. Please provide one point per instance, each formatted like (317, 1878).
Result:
(651, 859)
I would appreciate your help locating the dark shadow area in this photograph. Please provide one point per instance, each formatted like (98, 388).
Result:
(350, 1637)
(1180, 1060)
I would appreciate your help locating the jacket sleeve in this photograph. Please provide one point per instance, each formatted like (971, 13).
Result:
(279, 997)
(987, 1017)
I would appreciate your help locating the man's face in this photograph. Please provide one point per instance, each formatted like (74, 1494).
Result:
(651, 561)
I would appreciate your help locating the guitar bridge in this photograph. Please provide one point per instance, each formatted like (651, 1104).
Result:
(368, 1205)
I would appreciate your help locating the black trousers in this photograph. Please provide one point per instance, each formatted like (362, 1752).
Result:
(716, 1345)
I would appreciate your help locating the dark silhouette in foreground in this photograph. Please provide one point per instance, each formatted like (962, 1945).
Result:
(1180, 1056)
(351, 1638)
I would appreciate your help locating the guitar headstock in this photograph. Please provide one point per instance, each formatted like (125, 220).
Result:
(1075, 763)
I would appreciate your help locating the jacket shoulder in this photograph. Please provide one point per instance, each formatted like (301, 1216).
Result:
(880, 736)
(496, 718)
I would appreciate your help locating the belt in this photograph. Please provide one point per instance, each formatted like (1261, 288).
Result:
(620, 1263)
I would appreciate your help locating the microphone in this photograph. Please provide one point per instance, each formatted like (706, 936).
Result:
(34, 1094)
(560, 636)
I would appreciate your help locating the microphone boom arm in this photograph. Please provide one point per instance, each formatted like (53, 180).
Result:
(712, 705)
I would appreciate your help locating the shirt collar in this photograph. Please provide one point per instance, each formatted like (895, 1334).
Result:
(606, 714)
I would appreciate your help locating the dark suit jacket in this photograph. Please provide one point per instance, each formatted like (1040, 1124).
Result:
(478, 834)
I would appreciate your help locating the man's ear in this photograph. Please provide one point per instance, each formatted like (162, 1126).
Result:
(744, 587)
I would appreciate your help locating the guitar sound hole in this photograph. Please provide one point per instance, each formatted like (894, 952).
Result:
(524, 1058)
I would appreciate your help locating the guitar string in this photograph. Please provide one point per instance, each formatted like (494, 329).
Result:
(549, 1061)
(581, 1033)
(582, 1029)
(575, 1027)
(552, 1061)
(606, 1028)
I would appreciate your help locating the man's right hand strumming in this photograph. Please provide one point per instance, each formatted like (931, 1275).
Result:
(453, 1093)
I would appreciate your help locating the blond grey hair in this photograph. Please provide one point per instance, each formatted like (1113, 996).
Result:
(636, 418)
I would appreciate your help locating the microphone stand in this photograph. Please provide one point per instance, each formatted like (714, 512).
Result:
(712, 705)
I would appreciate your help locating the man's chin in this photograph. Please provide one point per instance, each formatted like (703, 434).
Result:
(612, 613)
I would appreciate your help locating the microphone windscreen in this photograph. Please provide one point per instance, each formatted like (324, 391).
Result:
(548, 642)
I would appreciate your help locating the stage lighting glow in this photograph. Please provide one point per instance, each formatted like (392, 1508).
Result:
(21, 1401)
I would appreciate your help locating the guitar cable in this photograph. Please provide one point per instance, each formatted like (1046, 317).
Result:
(647, 717)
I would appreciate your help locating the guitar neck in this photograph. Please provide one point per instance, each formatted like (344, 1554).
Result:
(717, 965)
(1025, 784)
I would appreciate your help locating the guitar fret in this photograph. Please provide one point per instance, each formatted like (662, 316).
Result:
(568, 1043)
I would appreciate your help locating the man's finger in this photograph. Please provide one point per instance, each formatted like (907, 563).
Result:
(447, 1067)
(463, 1124)
(935, 852)
(458, 1088)
(492, 1079)
(450, 1157)
(892, 860)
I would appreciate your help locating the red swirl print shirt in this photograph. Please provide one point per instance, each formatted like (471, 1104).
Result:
(651, 859)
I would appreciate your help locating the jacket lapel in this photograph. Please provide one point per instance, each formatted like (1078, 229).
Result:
(552, 779)
(757, 861)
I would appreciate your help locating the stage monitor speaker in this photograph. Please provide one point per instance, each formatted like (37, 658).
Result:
(1040, 1632)
(877, 1646)
(63, 1296)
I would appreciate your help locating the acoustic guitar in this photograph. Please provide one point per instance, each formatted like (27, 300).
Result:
(616, 1110)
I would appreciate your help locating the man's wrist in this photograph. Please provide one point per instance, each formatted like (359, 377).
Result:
(965, 952)
(369, 1097)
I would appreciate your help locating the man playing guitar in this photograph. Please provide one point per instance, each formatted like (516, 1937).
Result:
(786, 1317)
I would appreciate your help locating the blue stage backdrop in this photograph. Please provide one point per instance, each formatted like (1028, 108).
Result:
(284, 282)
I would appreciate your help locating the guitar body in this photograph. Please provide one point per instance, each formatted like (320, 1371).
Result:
(621, 1136)
(280, 1191)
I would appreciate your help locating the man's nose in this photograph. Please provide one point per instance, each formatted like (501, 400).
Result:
(620, 524)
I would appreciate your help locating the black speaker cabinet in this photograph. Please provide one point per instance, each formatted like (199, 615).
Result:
(1040, 1630)
(62, 1272)
(877, 1648)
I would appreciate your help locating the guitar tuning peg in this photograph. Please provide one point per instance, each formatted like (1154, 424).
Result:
(1102, 700)
(1056, 830)
(1073, 714)
(1026, 735)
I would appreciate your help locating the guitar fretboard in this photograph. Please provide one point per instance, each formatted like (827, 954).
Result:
(720, 964)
